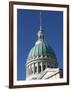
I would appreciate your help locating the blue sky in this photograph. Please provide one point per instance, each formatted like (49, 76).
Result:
(28, 23)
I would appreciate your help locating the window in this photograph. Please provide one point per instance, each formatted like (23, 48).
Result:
(44, 67)
(35, 68)
(39, 67)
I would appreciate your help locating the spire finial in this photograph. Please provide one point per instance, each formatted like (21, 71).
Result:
(40, 35)
(40, 21)
(40, 32)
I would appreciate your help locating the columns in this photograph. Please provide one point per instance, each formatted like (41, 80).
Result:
(37, 67)
(33, 68)
(41, 66)
(30, 69)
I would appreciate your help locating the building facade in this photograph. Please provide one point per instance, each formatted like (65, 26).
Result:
(41, 61)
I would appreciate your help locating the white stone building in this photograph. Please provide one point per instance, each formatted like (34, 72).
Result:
(42, 62)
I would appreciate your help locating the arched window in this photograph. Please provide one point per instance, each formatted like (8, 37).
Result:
(39, 67)
(35, 68)
(44, 65)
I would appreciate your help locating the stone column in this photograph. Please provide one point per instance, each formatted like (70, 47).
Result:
(33, 68)
(30, 69)
(41, 66)
(37, 67)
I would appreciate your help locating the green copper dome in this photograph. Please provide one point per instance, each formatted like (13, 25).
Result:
(41, 48)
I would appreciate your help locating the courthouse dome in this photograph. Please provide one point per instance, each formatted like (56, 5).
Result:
(41, 48)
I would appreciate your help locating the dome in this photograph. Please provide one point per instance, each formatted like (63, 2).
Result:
(41, 49)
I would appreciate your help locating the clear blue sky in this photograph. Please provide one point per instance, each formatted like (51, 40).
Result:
(28, 22)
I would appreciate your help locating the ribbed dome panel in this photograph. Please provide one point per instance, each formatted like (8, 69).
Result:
(40, 50)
